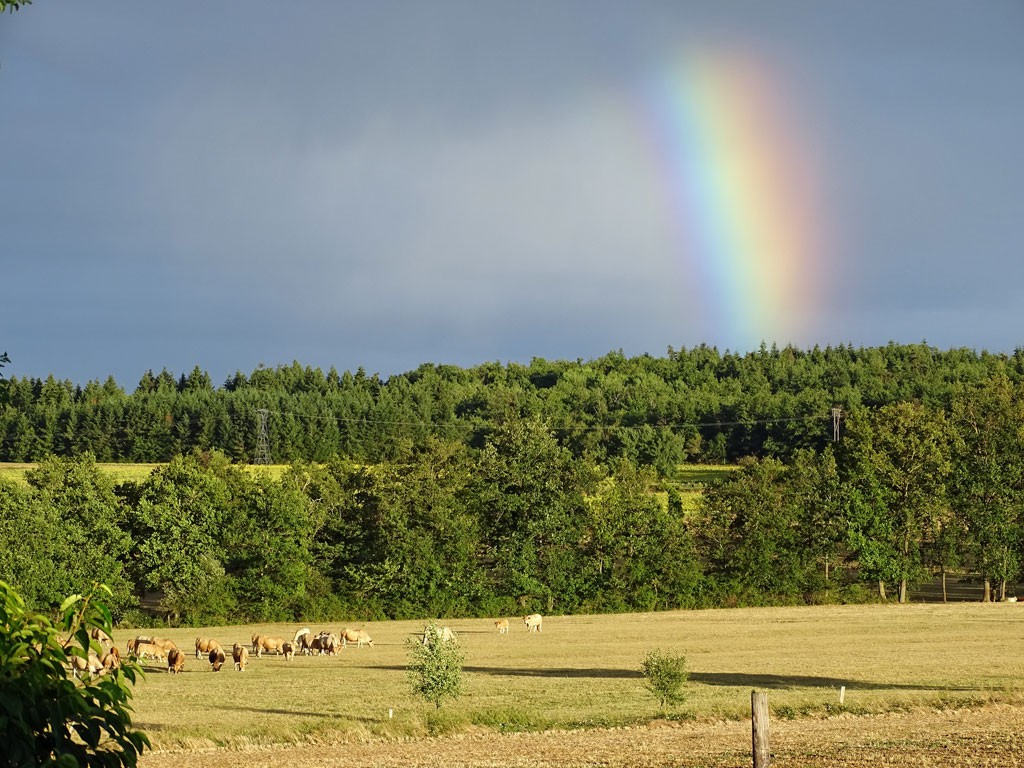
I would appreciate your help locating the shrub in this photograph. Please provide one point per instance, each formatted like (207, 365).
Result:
(47, 717)
(664, 675)
(435, 667)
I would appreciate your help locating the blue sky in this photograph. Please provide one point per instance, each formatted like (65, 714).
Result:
(386, 184)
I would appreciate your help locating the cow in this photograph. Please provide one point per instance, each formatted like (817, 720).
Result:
(299, 635)
(241, 657)
(534, 622)
(206, 644)
(358, 636)
(150, 651)
(163, 642)
(329, 643)
(310, 644)
(111, 660)
(133, 644)
(92, 665)
(267, 644)
(175, 661)
(289, 650)
(502, 626)
(217, 658)
(103, 637)
(444, 635)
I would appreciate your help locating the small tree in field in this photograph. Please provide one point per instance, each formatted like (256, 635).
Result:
(47, 717)
(435, 666)
(664, 675)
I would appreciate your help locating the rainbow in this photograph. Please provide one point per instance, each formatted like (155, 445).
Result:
(740, 182)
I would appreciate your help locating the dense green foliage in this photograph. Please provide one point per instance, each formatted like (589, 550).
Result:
(664, 676)
(503, 490)
(435, 666)
(47, 717)
(697, 405)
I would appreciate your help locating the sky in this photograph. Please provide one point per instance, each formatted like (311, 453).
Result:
(380, 185)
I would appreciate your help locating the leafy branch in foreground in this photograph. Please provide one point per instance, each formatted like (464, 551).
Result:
(47, 716)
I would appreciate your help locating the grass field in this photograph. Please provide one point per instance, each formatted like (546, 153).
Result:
(582, 673)
(121, 473)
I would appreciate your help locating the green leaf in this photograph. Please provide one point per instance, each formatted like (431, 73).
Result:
(68, 602)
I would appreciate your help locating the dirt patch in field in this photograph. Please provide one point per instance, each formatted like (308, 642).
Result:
(988, 736)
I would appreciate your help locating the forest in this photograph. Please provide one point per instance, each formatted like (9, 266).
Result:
(502, 489)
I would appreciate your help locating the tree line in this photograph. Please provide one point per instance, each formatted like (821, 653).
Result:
(698, 405)
(522, 523)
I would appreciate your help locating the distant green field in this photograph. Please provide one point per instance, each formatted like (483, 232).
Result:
(702, 474)
(689, 482)
(121, 473)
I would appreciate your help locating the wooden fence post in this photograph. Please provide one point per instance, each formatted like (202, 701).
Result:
(759, 728)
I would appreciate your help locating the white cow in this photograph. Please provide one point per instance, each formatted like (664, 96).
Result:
(534, 622)
(444, 635)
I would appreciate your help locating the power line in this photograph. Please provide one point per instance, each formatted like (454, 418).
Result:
(577, 428)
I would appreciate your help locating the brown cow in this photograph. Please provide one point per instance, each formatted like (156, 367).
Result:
(205, 645)
(217, 658)
(175, 661)
(92, 665)
(329, 643)
(289, 650)
(267, 644)
(111, 660)
(502, 626)
(163, 642)
(133, 644)
(103, 637)
(150, 651)
(358, 636)
(318, 643)
(241, 657)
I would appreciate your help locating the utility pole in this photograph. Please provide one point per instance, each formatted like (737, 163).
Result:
(837, 416)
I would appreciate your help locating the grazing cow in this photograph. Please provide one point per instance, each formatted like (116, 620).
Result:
(217, 658)
(267, 644)
(175, 661)
(502, 626)
(289, 650)
(111, 660)
(534, 622)
(92, 665)
(163, 642)
(205, 645)
(297, 640)
(358, 636)
(241, 657)
(444, 635)
(150, 651)
(329, 643)
(103, 637)
(132, 645)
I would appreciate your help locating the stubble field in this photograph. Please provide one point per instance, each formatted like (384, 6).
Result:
(924, 685)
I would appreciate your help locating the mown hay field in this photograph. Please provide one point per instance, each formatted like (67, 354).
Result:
(126, 472)
(926, 670)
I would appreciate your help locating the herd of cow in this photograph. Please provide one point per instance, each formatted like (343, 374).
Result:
(304, 642)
